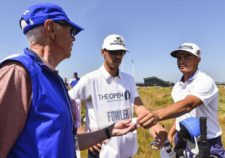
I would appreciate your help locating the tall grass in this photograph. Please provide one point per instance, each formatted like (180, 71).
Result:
(157, 97)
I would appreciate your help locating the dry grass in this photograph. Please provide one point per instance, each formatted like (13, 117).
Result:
(154, 98)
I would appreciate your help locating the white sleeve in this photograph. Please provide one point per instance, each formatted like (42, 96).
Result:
(205, 89)
(173, 93)
(134, 91)
(81, 90)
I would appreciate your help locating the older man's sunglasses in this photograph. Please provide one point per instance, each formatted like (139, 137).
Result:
(66, 24)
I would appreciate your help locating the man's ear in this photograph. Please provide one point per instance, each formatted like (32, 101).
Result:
(198, 59)
(50, 28)
(103, 53)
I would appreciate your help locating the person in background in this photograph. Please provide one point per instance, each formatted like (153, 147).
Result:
(111, 95)
(195, 95)
(66, 83)
(35, 110)
(74, 80)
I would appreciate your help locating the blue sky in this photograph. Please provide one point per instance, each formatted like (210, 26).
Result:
(151, 28)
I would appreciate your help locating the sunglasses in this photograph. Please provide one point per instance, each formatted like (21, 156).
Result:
(66, 24)
(116, 52)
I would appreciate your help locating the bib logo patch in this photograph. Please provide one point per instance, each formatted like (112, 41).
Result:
(111, 97)
(127, 95)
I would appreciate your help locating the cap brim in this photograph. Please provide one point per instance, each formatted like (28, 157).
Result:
(76, 27)
(113, 48)
(174, 53)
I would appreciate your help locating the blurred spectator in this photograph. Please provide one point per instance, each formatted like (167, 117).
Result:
(74, 80)
(66, 83)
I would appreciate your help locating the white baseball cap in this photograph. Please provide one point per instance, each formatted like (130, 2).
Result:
(187, 47)
(114, 42)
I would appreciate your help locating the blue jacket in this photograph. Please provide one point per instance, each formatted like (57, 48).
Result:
(48, 132)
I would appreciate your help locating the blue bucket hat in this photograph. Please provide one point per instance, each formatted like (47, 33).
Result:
(37, 14)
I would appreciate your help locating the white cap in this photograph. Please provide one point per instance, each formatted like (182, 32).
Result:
(187, 47)
(114, 42)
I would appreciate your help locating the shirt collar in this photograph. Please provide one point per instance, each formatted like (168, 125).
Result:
(107, 75)
(39, 59)
(49, 65)
(191, 78)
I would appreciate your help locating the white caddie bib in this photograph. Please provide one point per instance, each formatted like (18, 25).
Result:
(109, 116)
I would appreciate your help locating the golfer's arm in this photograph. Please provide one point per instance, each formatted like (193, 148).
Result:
(179, 108)
(15, 95)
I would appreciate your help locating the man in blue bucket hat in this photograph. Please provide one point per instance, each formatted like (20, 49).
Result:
(35, 109)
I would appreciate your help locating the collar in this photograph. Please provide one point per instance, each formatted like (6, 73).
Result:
(38, 59)
(49, 65)
(191, 78)
(106, 74)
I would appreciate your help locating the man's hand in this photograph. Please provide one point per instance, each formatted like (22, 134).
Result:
(94, 150)
(159, 133)
(146, 119)
(122, 127)
(117, 129)
(87, 140)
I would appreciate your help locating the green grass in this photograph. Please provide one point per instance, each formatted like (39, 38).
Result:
(154, 98)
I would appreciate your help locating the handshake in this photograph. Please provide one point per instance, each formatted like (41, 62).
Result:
(144, 119)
